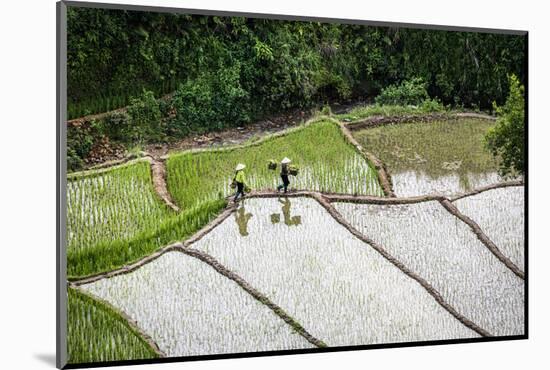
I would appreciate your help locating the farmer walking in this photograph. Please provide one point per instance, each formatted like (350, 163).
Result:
(284, 174)
(239, 180)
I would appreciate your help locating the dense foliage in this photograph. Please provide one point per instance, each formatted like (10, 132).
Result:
(79, 143)
(272, 64)
(209, 102)
(145, 118)
(507, 138)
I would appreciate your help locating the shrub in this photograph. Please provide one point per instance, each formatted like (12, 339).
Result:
(74, 162)
(431, 105)
(145, 118)
(326, 110)
(506, 139)
(410, 92)
(211, 101)
(79, 143)
(332, 86)
(118, 127)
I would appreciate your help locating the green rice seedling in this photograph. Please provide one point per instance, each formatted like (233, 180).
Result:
(446, 156)
(190, 309)
(326, 161)
(339, 288)
(97, 333)
(114, 217)
(500, 214)
(442, 249)
(113, 205)
(116, 253)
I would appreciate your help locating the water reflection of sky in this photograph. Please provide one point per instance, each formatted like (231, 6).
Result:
(447, 157)
(412, 182)
(318, 271)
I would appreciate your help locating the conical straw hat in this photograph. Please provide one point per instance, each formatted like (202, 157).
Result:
(285, 160)
(239, 167)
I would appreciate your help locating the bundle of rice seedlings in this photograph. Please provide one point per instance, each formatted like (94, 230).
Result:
(293, 170)
(272, 165)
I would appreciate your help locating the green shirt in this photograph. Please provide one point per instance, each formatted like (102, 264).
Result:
(239, 177)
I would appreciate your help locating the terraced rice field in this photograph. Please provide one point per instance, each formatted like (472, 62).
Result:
(190, 309)
(114, 217)
(500, 213)
(97, 333)
(298, 258)
(446, 157)
(340, 289)
(326, 161)
(442, 249)
(112, 205)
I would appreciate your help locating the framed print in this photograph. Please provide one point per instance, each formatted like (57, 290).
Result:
(235, 185)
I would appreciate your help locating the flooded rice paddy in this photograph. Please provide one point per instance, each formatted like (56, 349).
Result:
(446, 157)
(412, 182)
(340, 289)
(500, 214)
(337, 287)
(442, 249)
(189, 309)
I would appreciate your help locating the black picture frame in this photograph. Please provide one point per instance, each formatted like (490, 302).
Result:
(61, 174)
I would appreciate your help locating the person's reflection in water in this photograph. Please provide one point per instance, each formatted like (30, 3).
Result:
(288, 220)
(242, 219)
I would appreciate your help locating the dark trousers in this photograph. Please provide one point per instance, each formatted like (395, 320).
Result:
(240, 190)
(285, 183)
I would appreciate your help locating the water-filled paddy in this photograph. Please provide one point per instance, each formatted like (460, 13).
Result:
(339, 288)
(190, 309)
(443, 250)
(446, 157)
(500, 214)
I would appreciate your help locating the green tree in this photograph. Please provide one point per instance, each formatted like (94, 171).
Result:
(145, 118)
(211, 101)
(506, 139)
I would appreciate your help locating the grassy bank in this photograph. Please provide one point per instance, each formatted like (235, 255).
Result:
(366, 111)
